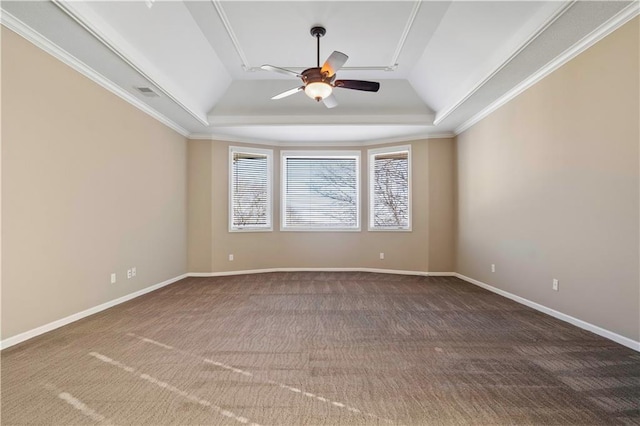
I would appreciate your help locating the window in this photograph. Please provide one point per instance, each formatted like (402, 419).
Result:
(390, 188)
(250, 171)
(320, 190)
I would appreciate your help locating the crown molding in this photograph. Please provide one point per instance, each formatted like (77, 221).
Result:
(410, 138)
(23, 30)
(254, 141)
(315, 119)
(445, 112)
(621, 18)
(346, 68)
(107, 38)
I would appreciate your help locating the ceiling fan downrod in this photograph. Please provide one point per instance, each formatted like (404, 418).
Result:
(318, 32)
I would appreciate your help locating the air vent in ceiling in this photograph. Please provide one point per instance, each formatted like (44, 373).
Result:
(147, 91)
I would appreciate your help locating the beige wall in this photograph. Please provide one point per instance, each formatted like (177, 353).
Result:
(411, 251)
(548, 187)
(201, 204)
(442, 198)
(90, 186)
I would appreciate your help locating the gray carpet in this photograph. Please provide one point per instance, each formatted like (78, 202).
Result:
(320, 349)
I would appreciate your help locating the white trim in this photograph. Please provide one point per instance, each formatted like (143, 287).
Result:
(442, 114)
(442, 274)
(232, 35)
(315, 144)
(320, 119)
(268, 153)
(17, 26)
(371, 154)
(621, 18)
(320, 229)
(403, 38)
(108, 39)
(346, 68)
(269, 270)
(625, 341)
(19, 338)
(411, 138)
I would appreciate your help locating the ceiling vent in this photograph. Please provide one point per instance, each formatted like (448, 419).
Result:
(147, 91)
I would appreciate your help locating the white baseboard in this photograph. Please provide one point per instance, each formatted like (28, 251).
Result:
(625, 341)
(262, 271)
(19, 338)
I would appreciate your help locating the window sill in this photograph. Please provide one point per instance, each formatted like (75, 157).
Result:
(251, 230)
(320, 229)
(390, 230)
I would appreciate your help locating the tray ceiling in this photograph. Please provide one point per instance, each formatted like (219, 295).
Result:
(441, 64)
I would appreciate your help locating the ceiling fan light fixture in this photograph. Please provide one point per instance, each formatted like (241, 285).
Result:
(318, 90)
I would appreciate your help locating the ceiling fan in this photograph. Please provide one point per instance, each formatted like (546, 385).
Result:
(319, 82)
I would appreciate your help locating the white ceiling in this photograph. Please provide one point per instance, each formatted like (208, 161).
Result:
(441, 64)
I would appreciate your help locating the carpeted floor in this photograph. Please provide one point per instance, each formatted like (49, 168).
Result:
(320, 349)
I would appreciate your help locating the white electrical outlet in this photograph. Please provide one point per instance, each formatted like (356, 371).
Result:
(133, 272)
(381, 256)
(493, 267)
(128, 273)
(113, 278)
(230, 258)
(555, 284)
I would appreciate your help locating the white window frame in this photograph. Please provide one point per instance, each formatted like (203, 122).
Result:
(371, 157)
(257, 151)
(318, 154)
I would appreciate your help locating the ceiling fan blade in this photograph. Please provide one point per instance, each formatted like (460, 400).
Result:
(330, 101)
(280, 70)
(334, 62)
(367, 86)
(288, 92)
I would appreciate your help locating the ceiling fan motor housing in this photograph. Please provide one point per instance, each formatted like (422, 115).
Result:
(315, 75)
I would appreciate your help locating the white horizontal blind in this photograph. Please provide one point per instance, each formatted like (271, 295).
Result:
(389, 189)
(320, 192)
(250, 195)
